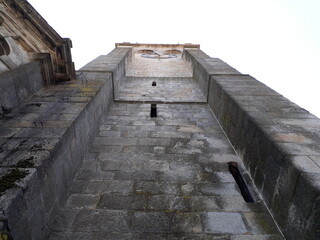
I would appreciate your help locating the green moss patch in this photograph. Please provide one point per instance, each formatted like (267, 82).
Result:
(8, 181)
(26, 163)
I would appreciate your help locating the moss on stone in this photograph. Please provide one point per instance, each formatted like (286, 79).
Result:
(8, 181)
(26, 163)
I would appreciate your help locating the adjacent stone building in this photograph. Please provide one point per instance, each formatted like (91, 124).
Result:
(32, 54)
(151, 141)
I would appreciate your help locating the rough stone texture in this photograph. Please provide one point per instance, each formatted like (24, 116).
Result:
(276, 140)
(28, 38)
(47, 136)
(115, 63)
(164, 177)
(159, 178)
(202, 66)
(147, 67)
(217, 222)
(167, 90)
(19, 84)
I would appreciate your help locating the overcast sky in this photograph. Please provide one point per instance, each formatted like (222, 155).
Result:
(275, 41)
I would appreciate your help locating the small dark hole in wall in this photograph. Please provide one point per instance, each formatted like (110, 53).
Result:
(35, 104)
(154, 83)
(234, 170)
(153, 112)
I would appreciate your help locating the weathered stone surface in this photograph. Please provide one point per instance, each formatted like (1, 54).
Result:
(167, 90)
(203, 66)
(130, 202)
(156, 187)
(260, 223)
(90, 221)
(276, 140)
(113, 63)
(153, 191)
(109, 186)
(156, 222)
(165, 177)
(256, 237)
(158, 67)
(230, 223)
(78, 201)
(187, 222)
(52, 148)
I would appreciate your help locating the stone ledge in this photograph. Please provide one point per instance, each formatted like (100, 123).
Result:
(47, 137)
(115, 63)
(203, 66)
(279, 144)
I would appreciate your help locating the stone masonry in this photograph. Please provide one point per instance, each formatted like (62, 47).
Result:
(44, 140)
(85, 160)
(160, 178)
(173, 90)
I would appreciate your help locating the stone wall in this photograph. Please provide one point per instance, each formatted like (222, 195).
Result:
(277, 140)
(279, 144)
(19, 84)
(203, 66)
(25, 37)
(43, 142)
(114, 63)
(46, 138)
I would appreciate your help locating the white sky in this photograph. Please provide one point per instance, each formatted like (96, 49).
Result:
(275, 41)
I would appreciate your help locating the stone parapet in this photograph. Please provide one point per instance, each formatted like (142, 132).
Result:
(203, 66)
(279, 144)
(115, 63)
(42, 145)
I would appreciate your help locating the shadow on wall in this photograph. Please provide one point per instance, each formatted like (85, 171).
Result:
(4, 46)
